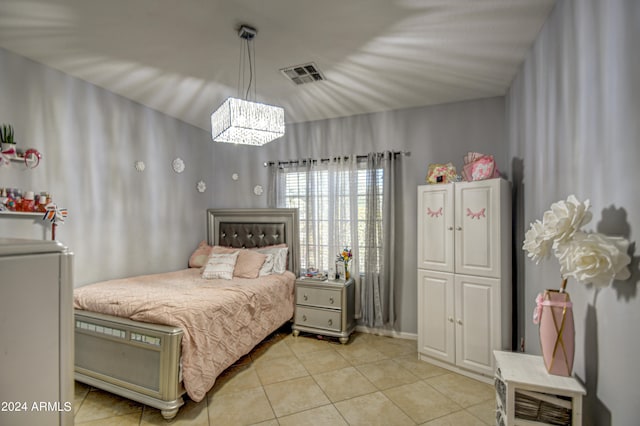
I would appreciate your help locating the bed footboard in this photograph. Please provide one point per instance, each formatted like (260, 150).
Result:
(135, 360)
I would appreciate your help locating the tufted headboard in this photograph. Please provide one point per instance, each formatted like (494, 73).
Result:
(256, 228)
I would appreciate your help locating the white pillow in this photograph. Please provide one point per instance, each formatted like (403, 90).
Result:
(279, 258)
(267, 266)
(220, 266)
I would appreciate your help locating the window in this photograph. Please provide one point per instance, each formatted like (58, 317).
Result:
(328, 201)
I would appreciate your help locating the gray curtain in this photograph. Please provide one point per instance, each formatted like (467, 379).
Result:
(378, 286)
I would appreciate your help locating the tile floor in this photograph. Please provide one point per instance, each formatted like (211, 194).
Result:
(372, 380)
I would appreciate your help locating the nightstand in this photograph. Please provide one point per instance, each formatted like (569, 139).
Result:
(325, 307)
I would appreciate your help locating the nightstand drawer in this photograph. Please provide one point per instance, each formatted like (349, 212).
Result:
(321, 297)
(318, 318)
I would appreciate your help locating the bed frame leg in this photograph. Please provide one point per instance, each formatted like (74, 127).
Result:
(169, 414)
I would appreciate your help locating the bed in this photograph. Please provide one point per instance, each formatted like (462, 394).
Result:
(150, 360)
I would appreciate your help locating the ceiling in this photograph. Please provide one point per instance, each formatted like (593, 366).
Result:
(182, 57)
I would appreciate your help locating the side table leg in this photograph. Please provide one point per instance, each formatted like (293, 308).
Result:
(343, 340)
(296, 333)
(577, 410)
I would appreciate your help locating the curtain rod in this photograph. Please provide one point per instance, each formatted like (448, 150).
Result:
(324, 160)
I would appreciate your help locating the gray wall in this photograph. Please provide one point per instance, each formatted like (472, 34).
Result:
(573, 121)
(121, 222)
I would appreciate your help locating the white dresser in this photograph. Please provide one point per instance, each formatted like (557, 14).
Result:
(325, 307)
(36, 331)
(464, 273)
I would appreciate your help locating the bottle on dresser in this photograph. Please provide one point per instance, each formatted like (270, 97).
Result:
(28, 202)
(43, 200)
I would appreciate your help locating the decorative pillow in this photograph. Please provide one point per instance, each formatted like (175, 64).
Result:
(267, 267)
(199, 257)
(223, 250)
(220, 266)
(249, 264)
(249, 261)
(280, 256)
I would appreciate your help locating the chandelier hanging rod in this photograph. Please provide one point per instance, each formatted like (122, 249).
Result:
(247, 34)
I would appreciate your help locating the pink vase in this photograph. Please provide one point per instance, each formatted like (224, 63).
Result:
(557, 333)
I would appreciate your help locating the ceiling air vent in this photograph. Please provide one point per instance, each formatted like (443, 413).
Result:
(303, 74)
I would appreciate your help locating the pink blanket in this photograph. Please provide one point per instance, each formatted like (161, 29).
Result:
(222, 320)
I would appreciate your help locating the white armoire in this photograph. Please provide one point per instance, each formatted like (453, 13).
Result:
(464, 274)
(36, 330)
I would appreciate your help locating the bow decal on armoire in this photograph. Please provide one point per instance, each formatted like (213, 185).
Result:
(436, 213)
(477, 215)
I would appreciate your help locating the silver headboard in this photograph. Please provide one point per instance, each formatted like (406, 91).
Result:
(256, 228)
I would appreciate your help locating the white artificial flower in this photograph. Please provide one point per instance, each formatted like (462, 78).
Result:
(587, 257)
(594, 258)
(565, 219)
(535, 242)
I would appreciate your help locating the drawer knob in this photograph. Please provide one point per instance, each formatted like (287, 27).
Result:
(331, 300)
(304, 318)
(459, 321)
(450, 319)
(459, 228)
(330, 322)
(450, 228)
(305, 297)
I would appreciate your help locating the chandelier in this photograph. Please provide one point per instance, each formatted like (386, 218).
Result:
(242, 121)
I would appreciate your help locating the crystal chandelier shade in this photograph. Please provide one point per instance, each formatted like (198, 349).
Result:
(245, 122)
(242, 121)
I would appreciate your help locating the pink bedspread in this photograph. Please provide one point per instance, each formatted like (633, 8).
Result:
(222, 320)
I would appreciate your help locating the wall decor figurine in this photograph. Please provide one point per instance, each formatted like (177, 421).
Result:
(178, 165)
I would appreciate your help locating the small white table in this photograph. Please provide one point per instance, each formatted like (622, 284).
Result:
(526, 376)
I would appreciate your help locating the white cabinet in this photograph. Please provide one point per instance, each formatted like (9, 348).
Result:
(36, 329)
(459, 227)
(464, 273)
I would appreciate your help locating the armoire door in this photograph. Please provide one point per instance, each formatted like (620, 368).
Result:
(477, 228)
(477, 318)
(436, 327)
(435, 227)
